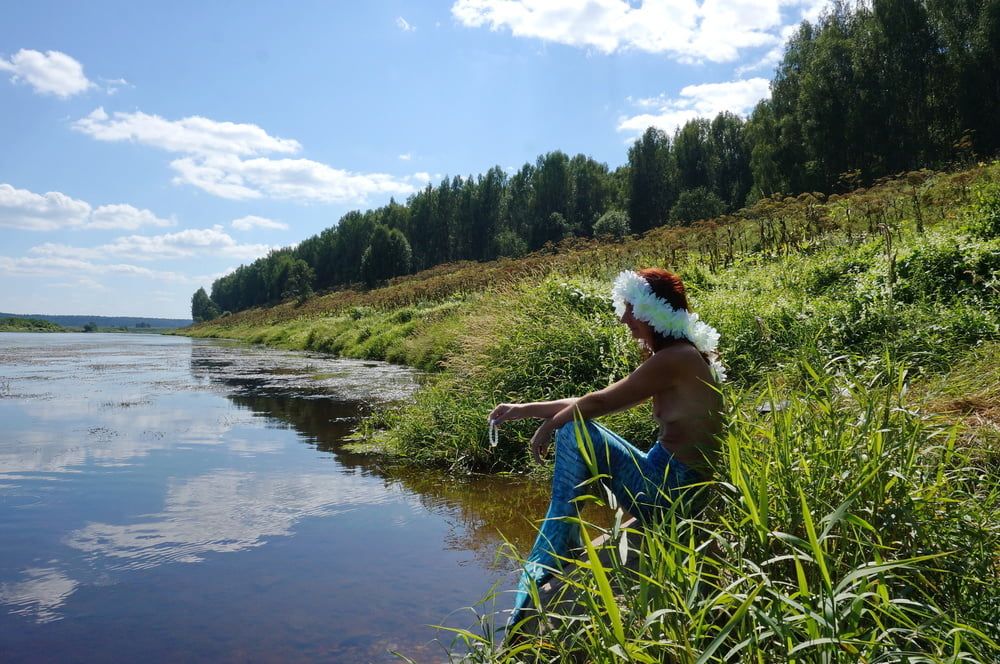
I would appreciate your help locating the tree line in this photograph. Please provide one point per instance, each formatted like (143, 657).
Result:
(870, 89)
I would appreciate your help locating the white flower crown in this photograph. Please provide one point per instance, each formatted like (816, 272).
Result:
(631, 288)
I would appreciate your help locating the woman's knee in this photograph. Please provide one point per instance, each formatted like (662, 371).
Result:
(569, 433)
(569, 430)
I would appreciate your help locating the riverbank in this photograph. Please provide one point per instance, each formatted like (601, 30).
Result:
(872, 318)
(29, 325)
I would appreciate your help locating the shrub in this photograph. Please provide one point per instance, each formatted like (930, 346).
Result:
(388, 255)
(553, 340)
(695, 204)
(613, 224)
(985, 213)
(947, 270)
(510, 244)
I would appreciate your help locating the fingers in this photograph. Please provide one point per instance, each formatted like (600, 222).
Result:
(536, 452)
(539, 446)
(501, 413)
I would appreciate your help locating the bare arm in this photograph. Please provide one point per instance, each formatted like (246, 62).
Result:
(539, 409)
(646, 381)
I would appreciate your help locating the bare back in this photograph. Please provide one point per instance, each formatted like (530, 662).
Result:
(689, 407)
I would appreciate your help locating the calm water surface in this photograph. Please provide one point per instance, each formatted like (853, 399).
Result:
(168, 499)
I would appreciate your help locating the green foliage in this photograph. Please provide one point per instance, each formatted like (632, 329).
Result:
(846, 525)
(985, 213)
(28, 325)
(510, 245)
(652, 184)
(696, 204)
(299, 281)
(613, 224)
(945, 269)
(881, 87)
(202, 308)
(90, 327)
(525, 330)
(868, 90)
(539, 342)
(841, 527)
(388, 255)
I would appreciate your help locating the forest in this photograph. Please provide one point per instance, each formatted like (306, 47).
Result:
(868, 91)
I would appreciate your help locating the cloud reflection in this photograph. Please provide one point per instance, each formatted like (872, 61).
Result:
(223, 512)
(112, 438)
(39, 595)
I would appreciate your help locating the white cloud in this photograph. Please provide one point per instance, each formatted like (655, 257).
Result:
(251, 221)
(113, 85)
(124, 217)
(774, 55)
(51, 72)
(84, 282)
(406, 156)
(26, 210)
(813, 9)
(404, 25)
(222, 158)
(192, 135)
(304, 180)
(188, 243)
(220, 512)
(185, 244)
(704, 100)
(422, 177)
(687, 30)
(57, 266)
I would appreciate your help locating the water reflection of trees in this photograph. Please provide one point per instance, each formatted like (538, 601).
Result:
(484, 510)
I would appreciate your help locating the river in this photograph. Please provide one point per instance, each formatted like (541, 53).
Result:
(164, 499)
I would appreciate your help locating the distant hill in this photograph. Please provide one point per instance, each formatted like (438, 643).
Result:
(106, 321)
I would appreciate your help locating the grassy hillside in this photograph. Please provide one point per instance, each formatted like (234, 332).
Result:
(898, 270)
(855, 523)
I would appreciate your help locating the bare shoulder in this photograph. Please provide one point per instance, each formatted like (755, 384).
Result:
(678, 354)
(676, 357)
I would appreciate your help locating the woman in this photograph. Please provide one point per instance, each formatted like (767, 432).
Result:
(680, 374)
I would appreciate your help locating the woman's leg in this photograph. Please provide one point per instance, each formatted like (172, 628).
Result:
(643, 482)
(634, 477)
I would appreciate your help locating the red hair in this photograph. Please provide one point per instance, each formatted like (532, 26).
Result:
(668, 286)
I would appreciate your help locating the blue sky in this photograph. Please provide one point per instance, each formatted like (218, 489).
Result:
(149, 148)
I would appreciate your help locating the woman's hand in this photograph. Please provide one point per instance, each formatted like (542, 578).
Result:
(505, 412)
(540, 441)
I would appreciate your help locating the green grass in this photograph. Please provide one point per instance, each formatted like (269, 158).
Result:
(421, 335)
(843, 528)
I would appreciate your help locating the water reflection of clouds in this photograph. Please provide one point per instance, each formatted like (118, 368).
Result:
(222, 512)
(39, 595)
(111, 439)
(111, 402)
(251, 447)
